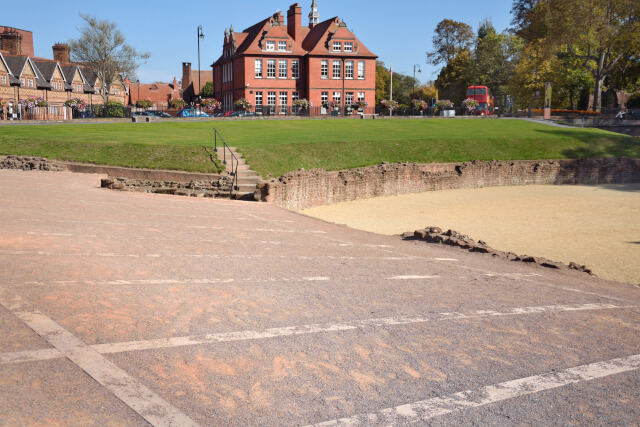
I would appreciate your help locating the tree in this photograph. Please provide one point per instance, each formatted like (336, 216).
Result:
(455, 77)
(497, 56)
(207, 90)
(450, 38)
(382, 82)
(102, 48)
(600, 34)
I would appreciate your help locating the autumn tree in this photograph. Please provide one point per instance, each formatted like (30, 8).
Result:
(450, 38)
(601, 34)
(102, 48)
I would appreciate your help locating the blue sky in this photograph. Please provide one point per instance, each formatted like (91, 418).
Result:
(399, 32)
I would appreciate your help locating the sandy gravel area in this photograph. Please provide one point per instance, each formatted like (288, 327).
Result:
(598, 226)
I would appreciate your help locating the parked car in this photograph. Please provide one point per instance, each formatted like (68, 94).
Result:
(631, 115)
(160, 114)
(243, 113)
(141, 114)
(223, 114)
(192, 113)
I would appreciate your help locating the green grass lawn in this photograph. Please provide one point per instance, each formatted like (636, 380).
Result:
(273, 147)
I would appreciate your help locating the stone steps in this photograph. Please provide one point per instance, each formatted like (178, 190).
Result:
(248, 179)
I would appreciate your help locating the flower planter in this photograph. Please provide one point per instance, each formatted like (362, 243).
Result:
(448, 113)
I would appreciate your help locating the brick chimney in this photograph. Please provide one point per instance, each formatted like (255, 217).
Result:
(62, 53)
(11, 42)
(294, 21)
(175, 84)
(186, 74)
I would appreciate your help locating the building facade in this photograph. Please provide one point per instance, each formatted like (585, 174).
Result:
(22, 75)
(193, 80)
(160, 94)
(273, 63)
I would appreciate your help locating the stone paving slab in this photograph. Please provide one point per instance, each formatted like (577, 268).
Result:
(176, 311)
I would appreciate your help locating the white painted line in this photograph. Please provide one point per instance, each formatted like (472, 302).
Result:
(411, 277)
(316, 279)
(446, 259)
(424, 410)
(30, 356)
(146, 403)
(311, 329)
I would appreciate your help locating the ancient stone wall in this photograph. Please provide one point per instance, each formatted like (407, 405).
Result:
(305, 189)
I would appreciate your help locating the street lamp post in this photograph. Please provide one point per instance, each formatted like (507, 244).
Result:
(414, 77)
(200, 37)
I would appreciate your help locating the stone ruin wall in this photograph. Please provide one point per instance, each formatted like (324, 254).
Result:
(309, 188)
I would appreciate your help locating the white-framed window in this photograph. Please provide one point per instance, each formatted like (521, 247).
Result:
(282, 100)
(258, 97)
(337, 46)
(271, 45)
(348, 69)
(282, 69)
(271, 68)
(324, 69)
(295, 96)
(271, 98)
(361, 69)
(337, 69)
(258, 68)
(348, 98)
(4, 79)
(337, 96)
(348, 46)
(22, 82)
(361, 96)
(324, 97)
(295, 69)
(282, 45)
(30, 82)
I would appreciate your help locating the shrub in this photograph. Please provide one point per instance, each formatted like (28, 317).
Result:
(389, 104)
(33, 101)
(302, 103)
(144, 103)
(115, 109)
(243, 103)
(210, 103)
(444, 104)
(177, 103)
(418, 104)
(76, 103)
(470, 104)
(634, 102)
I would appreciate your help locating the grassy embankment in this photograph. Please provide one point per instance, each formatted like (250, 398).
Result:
(273, 147)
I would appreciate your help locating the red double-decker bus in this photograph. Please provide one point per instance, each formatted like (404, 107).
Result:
(482, 94)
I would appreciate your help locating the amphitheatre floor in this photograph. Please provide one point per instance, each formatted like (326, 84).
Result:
(598, 226)
(128, 308)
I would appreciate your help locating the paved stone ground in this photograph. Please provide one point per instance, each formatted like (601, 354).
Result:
(128, 308)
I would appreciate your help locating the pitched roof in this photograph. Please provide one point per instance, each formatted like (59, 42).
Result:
(47, 68)
(17, 65)
(312, 41)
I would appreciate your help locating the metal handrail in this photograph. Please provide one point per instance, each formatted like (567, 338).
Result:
(225, 148)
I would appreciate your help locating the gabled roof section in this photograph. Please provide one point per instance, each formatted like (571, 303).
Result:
(319, 39)
(48, 68)
(5, 64)
(17, 66)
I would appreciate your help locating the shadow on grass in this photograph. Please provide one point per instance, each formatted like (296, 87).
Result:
(597, 145)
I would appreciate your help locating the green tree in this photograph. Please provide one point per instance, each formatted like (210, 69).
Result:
(601, 34)
(103, 49)
(207, 90)
(497, 57)
(383, 79)
(455, 77)
(450, 38)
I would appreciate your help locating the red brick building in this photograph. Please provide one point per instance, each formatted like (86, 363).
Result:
(274, 62)
(192, 80)
(22, 75)
(160, 94)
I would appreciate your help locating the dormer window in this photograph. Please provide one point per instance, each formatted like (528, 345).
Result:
(348, 46)
(337, 46)
(22, 82)
(30, 82)
(271, 45)
(282, 46)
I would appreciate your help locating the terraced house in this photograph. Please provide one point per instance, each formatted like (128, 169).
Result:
(22, 75)
(274, 63)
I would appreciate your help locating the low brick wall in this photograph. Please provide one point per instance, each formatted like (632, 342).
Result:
(306, 189)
